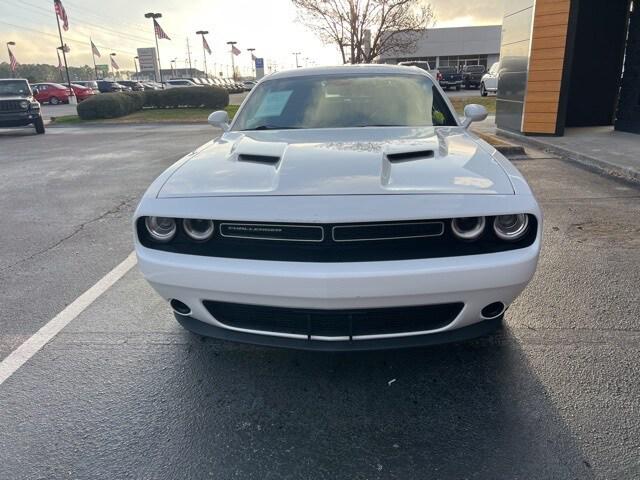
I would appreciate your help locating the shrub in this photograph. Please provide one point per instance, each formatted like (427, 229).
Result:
(110, 105)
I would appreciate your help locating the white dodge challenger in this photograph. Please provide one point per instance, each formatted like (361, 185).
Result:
(343, 208)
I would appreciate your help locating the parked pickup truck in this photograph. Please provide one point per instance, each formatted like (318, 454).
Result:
(449, 77)
(472, 75)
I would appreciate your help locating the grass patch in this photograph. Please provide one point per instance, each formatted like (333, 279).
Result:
(488, 102)
(151, 115)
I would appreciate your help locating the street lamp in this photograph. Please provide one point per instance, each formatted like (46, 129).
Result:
(233, 61)
(113, 70)
(202, 33)
(253, 62)
(296, 54)
(153, 16)
(135, 65)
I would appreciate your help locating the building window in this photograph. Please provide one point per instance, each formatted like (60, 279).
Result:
(462, 60)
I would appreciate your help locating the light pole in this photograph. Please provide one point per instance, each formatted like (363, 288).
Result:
(296, 55)
(205, 46)
(233, 61)
(113, 69)
(60, 64)
(11, 44)
(253, 62)
(153, 16)
(135, 65)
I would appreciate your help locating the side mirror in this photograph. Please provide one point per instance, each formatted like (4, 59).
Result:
(219, 119)
(473, 113)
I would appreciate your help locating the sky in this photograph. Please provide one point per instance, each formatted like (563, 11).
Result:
(119, 26)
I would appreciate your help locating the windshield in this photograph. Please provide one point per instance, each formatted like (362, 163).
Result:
(14, 88)
(343, 101)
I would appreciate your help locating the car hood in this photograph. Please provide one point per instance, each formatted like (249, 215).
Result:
(350, 161)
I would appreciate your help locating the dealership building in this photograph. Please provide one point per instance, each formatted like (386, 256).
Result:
(457, 46)
(569, 64)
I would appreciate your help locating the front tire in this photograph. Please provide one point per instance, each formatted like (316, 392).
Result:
(54, 101)
(39, 124)
(483, 90)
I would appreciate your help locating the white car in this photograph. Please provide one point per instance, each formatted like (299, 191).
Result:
(343, 208)
(489, 81)
(180, 83)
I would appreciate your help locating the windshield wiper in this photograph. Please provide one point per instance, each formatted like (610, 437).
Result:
(270, 127)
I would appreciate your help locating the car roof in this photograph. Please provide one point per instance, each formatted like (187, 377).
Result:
(348, 69)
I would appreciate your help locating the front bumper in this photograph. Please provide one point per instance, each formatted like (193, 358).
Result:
(18, 119)
(475, 280)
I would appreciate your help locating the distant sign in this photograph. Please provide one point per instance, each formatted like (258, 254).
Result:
(259, 68)
(148, 60)
(103, 71)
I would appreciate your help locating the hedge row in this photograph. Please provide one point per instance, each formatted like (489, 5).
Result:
(112, 105)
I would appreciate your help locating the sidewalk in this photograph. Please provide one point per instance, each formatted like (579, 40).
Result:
(599, 148)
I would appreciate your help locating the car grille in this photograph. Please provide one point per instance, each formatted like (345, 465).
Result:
(11, 106)
(361, 242)
(337, 324)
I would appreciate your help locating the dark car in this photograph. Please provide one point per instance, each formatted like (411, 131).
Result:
(132, 84)
(106, 86)
(18, 106)
(472, 75)
(449, 77)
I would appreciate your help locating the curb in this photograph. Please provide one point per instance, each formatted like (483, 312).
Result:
(594, 164)
(501, 145)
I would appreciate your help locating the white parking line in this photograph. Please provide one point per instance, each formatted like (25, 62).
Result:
(30, 347)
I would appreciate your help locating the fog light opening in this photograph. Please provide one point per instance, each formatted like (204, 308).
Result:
(493, 310)
(179, 307)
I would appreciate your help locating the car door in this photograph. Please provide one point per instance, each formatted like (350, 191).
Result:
(43, 93)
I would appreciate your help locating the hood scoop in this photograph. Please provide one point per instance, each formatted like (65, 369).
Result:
(252, 157)
(409, 156)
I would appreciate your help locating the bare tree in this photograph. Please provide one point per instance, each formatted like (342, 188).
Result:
(365, 29)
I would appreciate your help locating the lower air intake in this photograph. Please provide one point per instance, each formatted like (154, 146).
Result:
(334, 323)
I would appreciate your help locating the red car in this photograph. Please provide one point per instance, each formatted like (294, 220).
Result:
(52, 93)
(82, 93)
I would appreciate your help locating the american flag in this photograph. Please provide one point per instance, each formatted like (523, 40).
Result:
(159, 32)
(13, 63)
(206, 45)
(235, 51)
(253, 57)
(94, 49)
(59, 60)
(61, 12)
(114, 64)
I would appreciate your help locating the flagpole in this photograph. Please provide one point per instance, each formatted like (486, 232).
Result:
(204, 50)
(64, 56)
(93, 55)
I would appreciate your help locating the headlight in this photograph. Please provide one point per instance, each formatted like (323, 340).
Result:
(468, 228)
(199, 230)
(511, 227)
(24, 104)
(161, 229)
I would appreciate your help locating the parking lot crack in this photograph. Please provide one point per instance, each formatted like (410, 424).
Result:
(112, 211)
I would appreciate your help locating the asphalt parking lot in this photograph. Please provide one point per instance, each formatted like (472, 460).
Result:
(123, 392)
